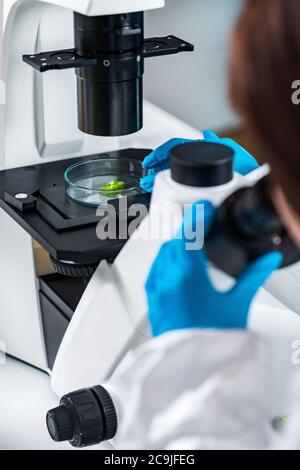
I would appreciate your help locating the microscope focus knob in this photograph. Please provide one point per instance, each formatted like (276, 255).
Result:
(202, 164)
(84, 418)
(85, 271)
(60, 424)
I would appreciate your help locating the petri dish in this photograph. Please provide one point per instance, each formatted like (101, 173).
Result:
(96, 182)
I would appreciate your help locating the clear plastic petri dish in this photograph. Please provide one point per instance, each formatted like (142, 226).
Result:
(96, 182)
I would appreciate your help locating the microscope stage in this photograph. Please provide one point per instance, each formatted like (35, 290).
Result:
(35, 197)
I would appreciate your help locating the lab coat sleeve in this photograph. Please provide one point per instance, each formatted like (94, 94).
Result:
(195, 389)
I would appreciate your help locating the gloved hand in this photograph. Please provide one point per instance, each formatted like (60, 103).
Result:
(159, 159)
(181, 294)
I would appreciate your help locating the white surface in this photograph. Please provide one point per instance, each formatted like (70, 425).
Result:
(108, 7)
(98, 7)
(25, 398)
(20, 321)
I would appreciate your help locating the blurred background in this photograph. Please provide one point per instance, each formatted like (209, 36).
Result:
(194, 88)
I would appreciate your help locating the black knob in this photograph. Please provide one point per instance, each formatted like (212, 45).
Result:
(85, 271)
(247, 226)
(85, 417)
(109, 413)
(60, 424)
(202, 164)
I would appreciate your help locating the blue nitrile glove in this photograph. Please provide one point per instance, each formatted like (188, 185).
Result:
(159, 159)
(181, 294)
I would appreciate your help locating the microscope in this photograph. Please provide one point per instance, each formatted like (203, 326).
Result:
(74, 85)
(73, 304)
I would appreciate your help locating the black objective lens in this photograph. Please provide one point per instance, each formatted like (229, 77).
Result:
(247, 226)
(84, 418)
(110, 94)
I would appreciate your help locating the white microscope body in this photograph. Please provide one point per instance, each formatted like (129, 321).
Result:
(40, 126)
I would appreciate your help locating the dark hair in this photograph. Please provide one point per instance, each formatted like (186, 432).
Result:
(265, 63)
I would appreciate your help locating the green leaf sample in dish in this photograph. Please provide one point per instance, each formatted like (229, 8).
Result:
(112, 188)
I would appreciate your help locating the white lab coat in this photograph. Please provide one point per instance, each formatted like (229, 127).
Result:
(201, 390)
